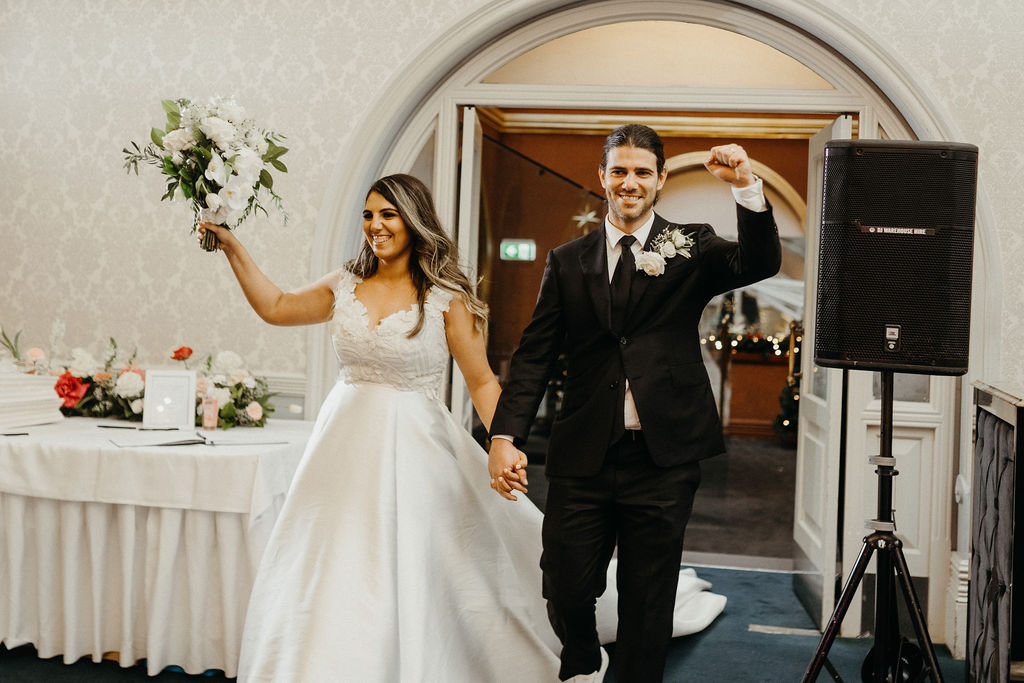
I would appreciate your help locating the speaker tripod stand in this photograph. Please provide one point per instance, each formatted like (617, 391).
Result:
(886, 661)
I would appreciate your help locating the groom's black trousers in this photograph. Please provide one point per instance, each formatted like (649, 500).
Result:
(642, 507)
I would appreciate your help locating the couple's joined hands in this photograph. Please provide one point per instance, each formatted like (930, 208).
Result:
(507, 466)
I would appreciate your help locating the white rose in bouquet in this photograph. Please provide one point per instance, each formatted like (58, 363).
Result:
(220, 131)
(179, 140)
(129, 384)
(222, 394)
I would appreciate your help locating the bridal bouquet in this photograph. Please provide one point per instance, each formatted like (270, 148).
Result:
(218, 158)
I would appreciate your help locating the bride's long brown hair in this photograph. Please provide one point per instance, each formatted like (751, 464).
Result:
(435, 258)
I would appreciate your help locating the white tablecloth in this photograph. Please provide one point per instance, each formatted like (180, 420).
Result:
(148, 551)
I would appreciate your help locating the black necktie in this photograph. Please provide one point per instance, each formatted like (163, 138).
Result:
(620, 281)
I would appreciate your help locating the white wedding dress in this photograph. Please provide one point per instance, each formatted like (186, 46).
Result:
(392, 560)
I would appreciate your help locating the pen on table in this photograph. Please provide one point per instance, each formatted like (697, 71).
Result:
(15, 433)
(116, 427)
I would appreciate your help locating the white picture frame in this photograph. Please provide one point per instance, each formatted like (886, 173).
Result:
(170, 400)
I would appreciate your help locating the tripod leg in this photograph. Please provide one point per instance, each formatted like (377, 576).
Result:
(845, 598)
(900, 565)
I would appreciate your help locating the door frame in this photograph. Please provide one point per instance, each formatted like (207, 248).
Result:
(423, 101)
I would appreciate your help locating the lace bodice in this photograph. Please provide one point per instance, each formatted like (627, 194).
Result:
(384, 354)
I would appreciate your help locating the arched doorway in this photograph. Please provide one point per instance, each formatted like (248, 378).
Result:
(422, 128)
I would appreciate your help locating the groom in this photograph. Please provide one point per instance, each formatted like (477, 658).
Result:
(637, 412)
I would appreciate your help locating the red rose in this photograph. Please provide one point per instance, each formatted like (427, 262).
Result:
(181, 353)
(71, 389)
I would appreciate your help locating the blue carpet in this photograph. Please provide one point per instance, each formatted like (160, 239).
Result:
(729, 651)
(726, 651)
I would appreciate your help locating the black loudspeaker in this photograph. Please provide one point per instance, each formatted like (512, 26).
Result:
(895, 254)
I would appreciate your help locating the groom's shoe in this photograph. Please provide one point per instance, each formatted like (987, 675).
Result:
(596, 676)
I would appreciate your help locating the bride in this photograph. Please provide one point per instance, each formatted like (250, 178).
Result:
(390, 561)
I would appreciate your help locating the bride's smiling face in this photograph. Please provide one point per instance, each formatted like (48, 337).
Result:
(384, 228)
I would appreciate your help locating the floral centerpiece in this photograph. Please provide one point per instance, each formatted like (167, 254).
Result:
(242, 399)
(115, 387)
(217, 157)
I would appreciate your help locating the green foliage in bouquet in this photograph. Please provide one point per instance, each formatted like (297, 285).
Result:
(216, 156)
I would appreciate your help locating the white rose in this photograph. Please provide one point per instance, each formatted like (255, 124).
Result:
(238, 376)
(226, 361)
(217, 129)
(248, 165)
(249, 382)
(82, 363)
(217, 171)
(179, 139)
(651, 263)
(129, 385)
(222, 395)
(136, 405)
(236, 193)
(668, 250)
(678, 239)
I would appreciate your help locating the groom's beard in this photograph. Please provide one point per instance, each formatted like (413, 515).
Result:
(623, 213)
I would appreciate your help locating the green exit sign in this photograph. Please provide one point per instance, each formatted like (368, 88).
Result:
(518, 250)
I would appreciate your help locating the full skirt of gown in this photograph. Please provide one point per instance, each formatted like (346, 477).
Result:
(392, 559)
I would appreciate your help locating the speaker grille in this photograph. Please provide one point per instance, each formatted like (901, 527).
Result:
(896, 249)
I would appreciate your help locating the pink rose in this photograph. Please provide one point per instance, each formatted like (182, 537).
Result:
(35, 354)
(255, 411)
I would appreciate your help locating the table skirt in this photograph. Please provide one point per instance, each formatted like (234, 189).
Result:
(164, 584)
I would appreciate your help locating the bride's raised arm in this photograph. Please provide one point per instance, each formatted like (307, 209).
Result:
(312, 303)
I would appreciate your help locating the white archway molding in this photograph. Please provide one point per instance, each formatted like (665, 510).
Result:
(447, 73)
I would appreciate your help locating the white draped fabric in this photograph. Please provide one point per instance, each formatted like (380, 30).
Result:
(147, 551)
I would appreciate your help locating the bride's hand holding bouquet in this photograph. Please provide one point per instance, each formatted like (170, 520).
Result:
(218, 158)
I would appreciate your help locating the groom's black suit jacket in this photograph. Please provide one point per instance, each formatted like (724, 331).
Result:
(658, 348)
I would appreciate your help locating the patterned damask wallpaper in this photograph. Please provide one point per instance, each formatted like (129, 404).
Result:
(83, 243)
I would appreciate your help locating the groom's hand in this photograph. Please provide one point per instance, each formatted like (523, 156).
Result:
(507, 467)
(731, 164)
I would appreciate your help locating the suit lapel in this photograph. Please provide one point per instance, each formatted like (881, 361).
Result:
(594, 265)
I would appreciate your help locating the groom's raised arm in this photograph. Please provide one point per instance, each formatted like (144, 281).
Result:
(533, 361)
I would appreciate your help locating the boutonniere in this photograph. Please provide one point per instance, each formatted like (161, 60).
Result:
(668, 244)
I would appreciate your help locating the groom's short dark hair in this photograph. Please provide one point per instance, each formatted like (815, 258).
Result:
(634, 135)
